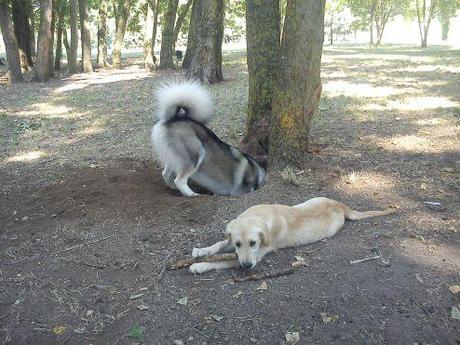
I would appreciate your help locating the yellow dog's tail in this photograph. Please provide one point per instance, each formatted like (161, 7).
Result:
(355, 215)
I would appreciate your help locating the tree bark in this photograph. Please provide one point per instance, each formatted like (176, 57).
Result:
(183, 10)
(121, 21)
(167, 35)
(263, 53)
(72, 57)
(23, 32)
(192, 36)
(66, 44)
(53, 29)
(60, 29)
(206, 65)
(149, 63)
(85, 37)
(11, 44)
(156, 11)
(298, 89)
(44, 68)
(445, 25)
(101, 35)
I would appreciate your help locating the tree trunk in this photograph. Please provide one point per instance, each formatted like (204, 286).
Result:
(331, 39)
(445, 25)
(31, 16)
(60, 29)
(263, 49)
(149, 63)
(180, 20)
(192, 36)
(66, 44)
(156, 11)
(121, 21)
(167, 35)
(298, 89)
(101, 35)
(44, 70)
(72, 57)
(206, 65)
(11, 44)
(85, 37)
(53, 29)
(23, 32)
(371, 32)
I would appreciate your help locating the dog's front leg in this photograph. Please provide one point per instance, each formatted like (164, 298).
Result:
(220, 247)
(201, 267)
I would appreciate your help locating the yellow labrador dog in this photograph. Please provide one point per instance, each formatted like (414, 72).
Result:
(262, 229)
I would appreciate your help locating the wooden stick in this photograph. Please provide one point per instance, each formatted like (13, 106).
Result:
(212, 258)
(365, 259)
(264, 275)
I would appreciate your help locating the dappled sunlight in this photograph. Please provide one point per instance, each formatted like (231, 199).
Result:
(422, 103)
(409, 143)
(82, 81)
(430, 68)
(364, 181)
(345, 88)
(26, 156)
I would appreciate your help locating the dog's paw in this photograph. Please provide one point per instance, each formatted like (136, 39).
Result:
(199, 268)
(199, 252)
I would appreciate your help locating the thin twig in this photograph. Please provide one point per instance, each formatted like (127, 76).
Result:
(83, 244)
(365, 259)
(264, 275)
(212, 258)
(163, 268)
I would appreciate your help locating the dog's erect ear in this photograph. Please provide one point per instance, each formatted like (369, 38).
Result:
(228, 230)
(264, 239)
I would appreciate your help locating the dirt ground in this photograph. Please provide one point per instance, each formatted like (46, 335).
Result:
(87, 225)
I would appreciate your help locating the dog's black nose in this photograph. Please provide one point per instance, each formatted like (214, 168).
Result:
(246, 265)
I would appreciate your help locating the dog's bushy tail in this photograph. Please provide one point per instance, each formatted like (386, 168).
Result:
(355, 215)
(184, 99)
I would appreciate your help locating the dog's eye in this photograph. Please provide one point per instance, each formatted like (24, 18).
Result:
(252, 243)
(238, 244)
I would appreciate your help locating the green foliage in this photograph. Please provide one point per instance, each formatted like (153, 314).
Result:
(235, 10)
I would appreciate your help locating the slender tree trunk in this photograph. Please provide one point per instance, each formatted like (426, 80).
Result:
(66, 43)
(101, 35)
(44, 70)
(60, 29)
(371, 32)
(121, 19)
(298, 89)
(192, 35)
(167, 35)
(149, 63)
(11, 44)
(263, 49)
(53, 29)
(72, 57)
(180, 20)
(156, 11)
(206, 65)
(31, 18)
(445, 25)
(22, 32)
(331, 39)
(85, 37)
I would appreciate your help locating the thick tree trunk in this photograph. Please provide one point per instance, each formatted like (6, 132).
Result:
(85, 37)
(298, 89)
(192, 35)
(183, 10)
(121, 21)
(263, 49)
(72, 57)
(44, 68)
(167, 35)
(23, 32)
(206, 65)
(445, 25)
(149, 63)
(60, 29)
(53, 29)
(11, 44)
(31, 16)
(101, 35)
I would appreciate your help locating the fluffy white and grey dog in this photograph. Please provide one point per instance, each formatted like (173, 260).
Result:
(188, 150)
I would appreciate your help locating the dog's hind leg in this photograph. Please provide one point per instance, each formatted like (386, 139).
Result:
(181, 182)
(220, 247)
(168, 177)
(201, 267)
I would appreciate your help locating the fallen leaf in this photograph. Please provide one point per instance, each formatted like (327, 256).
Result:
(136, 296)
(455, 313)
(58, 330)
(136, 331)
(292, 337)
(262, 286)
(300, 261)
(455, 289)
(238, 294)
(424, 186)
(217, 318)
(142, 306)
(183, 301)
(447, 169)
(80, 330)
(328, 318)
(419, 279)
